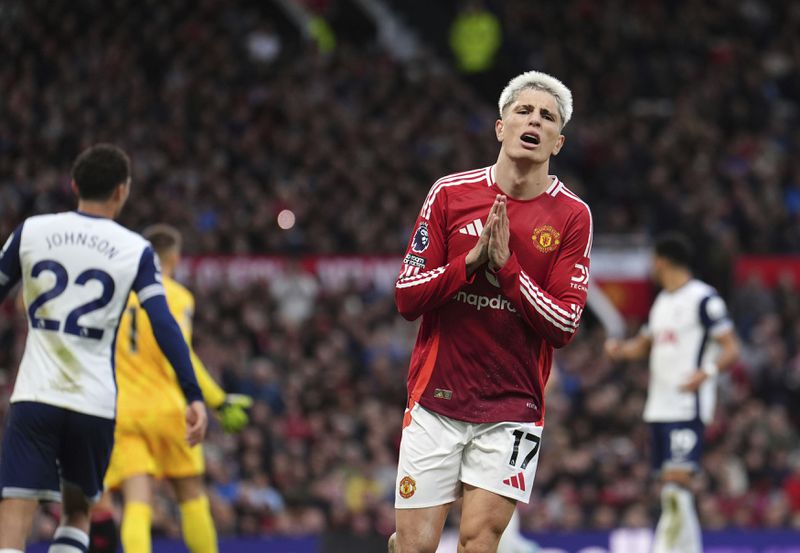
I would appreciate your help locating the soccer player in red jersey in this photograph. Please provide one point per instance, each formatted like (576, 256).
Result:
(498, 268)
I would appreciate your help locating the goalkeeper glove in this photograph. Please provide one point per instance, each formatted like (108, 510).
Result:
(232, 413)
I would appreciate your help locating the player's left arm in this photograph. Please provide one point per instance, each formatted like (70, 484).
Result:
(150, 291)
(553, 307)
(714, 317)
(166, 330)
(10, 270)
(230, 407)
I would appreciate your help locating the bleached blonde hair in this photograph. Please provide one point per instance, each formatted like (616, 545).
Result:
(538, 81)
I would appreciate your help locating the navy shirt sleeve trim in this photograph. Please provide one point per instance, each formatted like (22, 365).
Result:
(150, 290)
(10, 269)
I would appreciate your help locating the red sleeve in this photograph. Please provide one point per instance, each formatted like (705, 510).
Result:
(554, 307)
(426, 279)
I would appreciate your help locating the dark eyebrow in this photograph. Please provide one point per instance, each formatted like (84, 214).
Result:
(543, 111)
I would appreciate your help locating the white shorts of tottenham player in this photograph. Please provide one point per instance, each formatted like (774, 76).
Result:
(438, 453)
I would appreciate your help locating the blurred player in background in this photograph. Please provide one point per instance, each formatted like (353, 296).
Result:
(498, 268)
(77, 270)
(149, 439)
(689, 338)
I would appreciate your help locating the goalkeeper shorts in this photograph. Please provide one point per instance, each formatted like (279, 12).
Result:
(153, 445)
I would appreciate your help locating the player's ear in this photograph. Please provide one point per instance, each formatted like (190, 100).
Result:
(122, 191)
(559, 144)
(74, 188)
(498, 129)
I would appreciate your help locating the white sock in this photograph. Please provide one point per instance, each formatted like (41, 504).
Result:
(5, 550)
(69, 539)
(691, 537)
(678, 529)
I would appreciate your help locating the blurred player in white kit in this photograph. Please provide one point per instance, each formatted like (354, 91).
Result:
(690, 339)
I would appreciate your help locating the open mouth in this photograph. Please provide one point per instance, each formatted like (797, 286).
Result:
(530, 138)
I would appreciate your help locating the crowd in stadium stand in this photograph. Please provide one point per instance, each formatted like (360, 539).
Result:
(684, 118)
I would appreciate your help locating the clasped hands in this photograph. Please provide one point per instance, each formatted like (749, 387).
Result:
(492, 246)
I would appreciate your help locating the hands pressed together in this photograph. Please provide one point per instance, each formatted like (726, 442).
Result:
(492, 246)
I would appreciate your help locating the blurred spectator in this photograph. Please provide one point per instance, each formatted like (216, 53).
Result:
(230, 119)
(295, 292)
(475, 38)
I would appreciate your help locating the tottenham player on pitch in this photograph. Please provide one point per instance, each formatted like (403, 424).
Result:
(498, 267)
(690, 339)
(77, 269)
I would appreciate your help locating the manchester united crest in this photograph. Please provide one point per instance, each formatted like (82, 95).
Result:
(546, 238)
(407, 487)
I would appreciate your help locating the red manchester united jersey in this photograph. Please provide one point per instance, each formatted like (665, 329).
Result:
(485, 345)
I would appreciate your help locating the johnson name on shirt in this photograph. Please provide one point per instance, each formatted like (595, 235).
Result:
(92, 241)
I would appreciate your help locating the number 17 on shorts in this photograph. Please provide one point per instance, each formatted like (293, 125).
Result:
(437, 454)
(504, 460)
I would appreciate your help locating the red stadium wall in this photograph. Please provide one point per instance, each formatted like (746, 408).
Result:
(623, 275)
(767, 270)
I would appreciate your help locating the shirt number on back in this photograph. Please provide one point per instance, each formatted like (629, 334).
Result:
(134, 332)
(71, 325)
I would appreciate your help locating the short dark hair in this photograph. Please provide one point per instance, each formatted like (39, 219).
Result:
(98, 170)
(675, 248)
(163, 237)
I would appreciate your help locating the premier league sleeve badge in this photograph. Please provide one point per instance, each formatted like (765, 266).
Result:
(421, 238)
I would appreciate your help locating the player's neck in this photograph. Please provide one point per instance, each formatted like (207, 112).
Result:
(521, 181)
(98, 209)
(676, 279)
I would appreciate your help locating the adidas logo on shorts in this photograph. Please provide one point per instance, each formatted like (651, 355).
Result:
(517, 481)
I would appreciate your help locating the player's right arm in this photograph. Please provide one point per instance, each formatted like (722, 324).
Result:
(631, 349)
(150, 290)
(10, 271)
(426, 279)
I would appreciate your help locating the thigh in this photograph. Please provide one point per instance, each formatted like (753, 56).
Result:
(502, 459)
(138, 488)
(85, 452)
(29, 468)
(484, 517)
(188, 488)
(16, 519)
(428, 471)
(420, 529)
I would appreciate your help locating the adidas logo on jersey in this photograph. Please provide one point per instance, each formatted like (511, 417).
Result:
(517, 481)
(475, 228)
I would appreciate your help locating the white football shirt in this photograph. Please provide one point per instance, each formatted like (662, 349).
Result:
(76, 271)
(682, 327)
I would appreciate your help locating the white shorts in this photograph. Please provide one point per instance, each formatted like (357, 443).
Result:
(438, 453)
